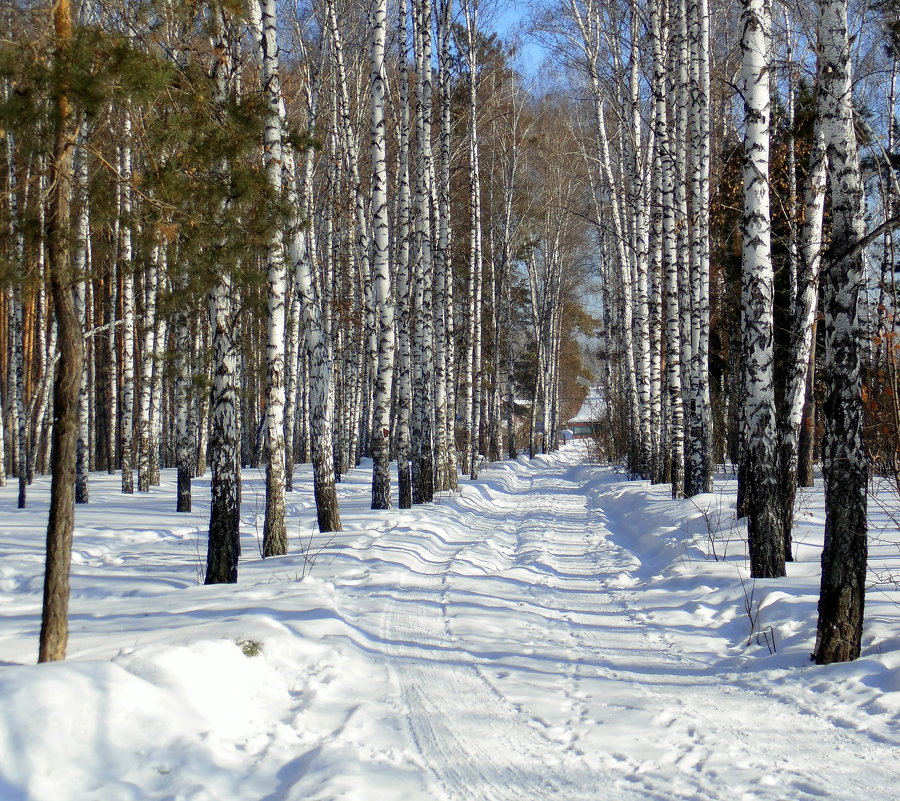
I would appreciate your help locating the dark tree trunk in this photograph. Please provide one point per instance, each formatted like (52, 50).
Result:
(183, 503)
(60, 529)
(787, 487)
(806, 457)
(404, 487)
(224, 546)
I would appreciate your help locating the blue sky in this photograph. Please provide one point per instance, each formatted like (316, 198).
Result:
(531, 54)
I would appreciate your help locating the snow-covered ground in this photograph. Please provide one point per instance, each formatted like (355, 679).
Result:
(552, 631)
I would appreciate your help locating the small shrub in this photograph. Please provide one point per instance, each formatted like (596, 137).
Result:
(249, 648)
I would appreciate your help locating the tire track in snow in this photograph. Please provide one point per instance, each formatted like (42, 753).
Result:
(524, 672)
(479, 742)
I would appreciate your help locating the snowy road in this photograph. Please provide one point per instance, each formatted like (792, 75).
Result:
(524, 673)
(550, 632)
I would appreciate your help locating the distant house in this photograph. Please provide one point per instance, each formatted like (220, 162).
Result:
(590, 417)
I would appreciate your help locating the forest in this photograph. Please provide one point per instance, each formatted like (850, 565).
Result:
(264, 234)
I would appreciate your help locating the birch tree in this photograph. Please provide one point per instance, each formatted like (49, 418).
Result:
(80, 265)
(674, 391)
(698, 471)
(147, 365)
(423, 334)
(842, 595)
(224, 546)
(655, 248)
(184, 419)
(474, 382)
(758, 473)
(16, 371)
(588, 20)
(313, 304)
(402, 237)
(381, 477)
(803, 321)
(127, 255)
(444, 387)
(264, 23)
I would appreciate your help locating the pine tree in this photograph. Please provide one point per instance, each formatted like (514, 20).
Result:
(61, 525)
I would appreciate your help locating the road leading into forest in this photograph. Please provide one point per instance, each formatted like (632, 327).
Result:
(508, 625)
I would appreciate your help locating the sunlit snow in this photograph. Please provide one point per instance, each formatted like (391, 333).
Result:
(552, 631)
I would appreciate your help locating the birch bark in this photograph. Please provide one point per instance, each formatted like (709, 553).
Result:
(758, 474)
(224, 546)
(148, 349)
(675, 410)
(404, 367)
(698, 469)
(381, 476)
(16, 373)
(184, 434)
(264, 23)
(423, 357)
(127, 256)
(318, 351)
(476, 278)
(112, 352)
(803, 321)
(637, 177)
(842, 596)
(445, 462)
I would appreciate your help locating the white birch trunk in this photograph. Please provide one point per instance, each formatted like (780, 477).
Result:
(445, 470)
(476, 279)
(318, 351)
(224, 521)
(844, 462)
(264, 24)
(423, 357)
(127, 261)
(292, 388)
(80, 263)
(681, 112)
(803, 318)
(224, 546)
(758, 474)
(637, 177)
(157, 400)
(381, 476)
(404, 365)
(698, 469)
(16, 404)
(113, 365)
(666, 144)
(145, 400)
